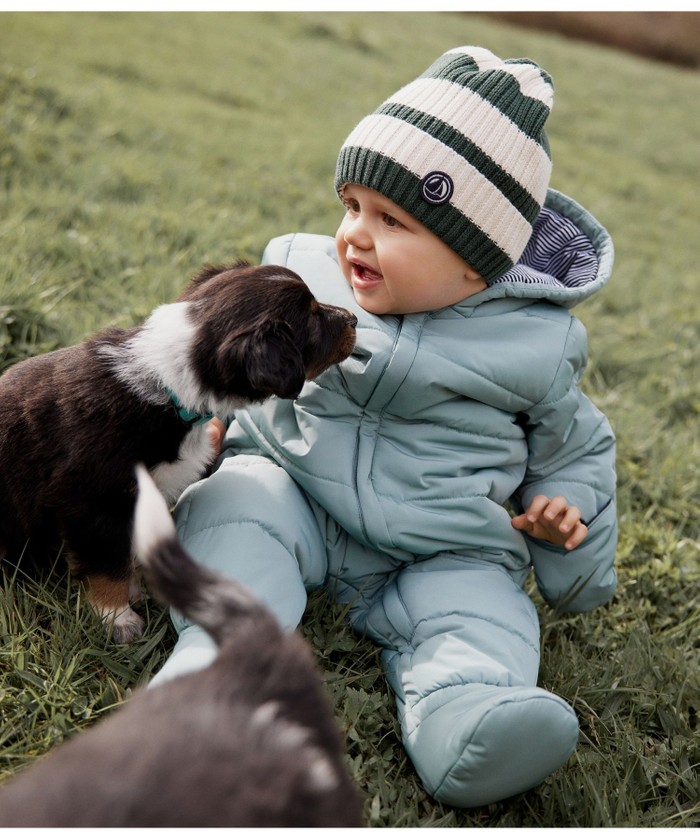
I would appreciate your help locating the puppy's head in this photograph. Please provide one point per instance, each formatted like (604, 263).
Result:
(260, 331)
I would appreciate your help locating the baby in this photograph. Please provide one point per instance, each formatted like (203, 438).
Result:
(387, 480)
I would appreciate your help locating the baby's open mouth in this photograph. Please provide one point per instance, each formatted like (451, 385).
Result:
(364, 275)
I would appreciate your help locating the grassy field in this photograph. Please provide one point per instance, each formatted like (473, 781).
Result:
(136, 147)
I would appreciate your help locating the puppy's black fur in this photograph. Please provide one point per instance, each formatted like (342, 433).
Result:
(75, 422)
(249, 741)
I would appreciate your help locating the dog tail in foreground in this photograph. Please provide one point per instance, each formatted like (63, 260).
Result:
(287, 747)
(216, 604)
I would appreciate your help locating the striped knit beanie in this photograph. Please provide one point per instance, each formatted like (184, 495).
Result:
(463, 150)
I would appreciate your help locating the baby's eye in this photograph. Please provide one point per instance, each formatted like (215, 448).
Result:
(352, 205)
(390, 221)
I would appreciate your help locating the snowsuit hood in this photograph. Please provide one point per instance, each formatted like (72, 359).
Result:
(568, 258)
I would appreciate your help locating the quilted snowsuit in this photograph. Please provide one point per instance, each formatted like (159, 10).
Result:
(387, 480)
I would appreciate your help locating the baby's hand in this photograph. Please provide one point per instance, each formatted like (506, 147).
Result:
(216, 431)
(552, 520)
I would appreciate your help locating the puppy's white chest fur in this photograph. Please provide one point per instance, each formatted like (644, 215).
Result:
(195, 455)
(159, 355)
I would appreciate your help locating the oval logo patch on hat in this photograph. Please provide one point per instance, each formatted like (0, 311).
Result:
(437, 188)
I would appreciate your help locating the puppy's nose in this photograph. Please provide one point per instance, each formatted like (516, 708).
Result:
(342, 314)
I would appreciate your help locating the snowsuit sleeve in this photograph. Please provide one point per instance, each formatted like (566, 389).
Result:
(572, 454)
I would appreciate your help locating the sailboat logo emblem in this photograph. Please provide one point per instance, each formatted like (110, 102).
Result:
(437, 188)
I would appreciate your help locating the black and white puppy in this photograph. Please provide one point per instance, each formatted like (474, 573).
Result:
(76, 421)
(248, 741)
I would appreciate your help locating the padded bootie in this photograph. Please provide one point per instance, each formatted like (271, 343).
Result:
(491, 742)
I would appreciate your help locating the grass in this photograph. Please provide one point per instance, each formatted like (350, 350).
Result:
(136, 147)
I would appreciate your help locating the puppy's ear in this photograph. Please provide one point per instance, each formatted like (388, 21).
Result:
(270, 358)
(274, 361)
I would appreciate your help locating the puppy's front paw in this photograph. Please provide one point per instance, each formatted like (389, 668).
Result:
(126, 625)
(110, 600)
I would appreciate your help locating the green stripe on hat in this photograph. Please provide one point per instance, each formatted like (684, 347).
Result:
(450, 66)
(371, 169)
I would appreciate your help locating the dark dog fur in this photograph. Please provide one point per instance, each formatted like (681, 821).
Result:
(75, 422)
(249, 741)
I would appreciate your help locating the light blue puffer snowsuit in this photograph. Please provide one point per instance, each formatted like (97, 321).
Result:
(386, 480)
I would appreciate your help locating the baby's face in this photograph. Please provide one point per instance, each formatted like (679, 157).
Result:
(394, 264)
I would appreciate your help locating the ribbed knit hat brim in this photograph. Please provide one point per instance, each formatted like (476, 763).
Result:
(463, 150)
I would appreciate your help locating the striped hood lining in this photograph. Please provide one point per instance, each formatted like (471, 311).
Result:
(558, 254)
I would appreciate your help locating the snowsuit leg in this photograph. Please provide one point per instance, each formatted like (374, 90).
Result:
(461, 643)
(248, 520)
(460, 637)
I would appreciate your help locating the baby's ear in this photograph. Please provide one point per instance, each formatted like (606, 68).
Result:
(273, 362)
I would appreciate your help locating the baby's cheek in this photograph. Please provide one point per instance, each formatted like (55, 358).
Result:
(344, 265)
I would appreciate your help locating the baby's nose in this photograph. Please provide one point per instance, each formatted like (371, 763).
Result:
(356, 235)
